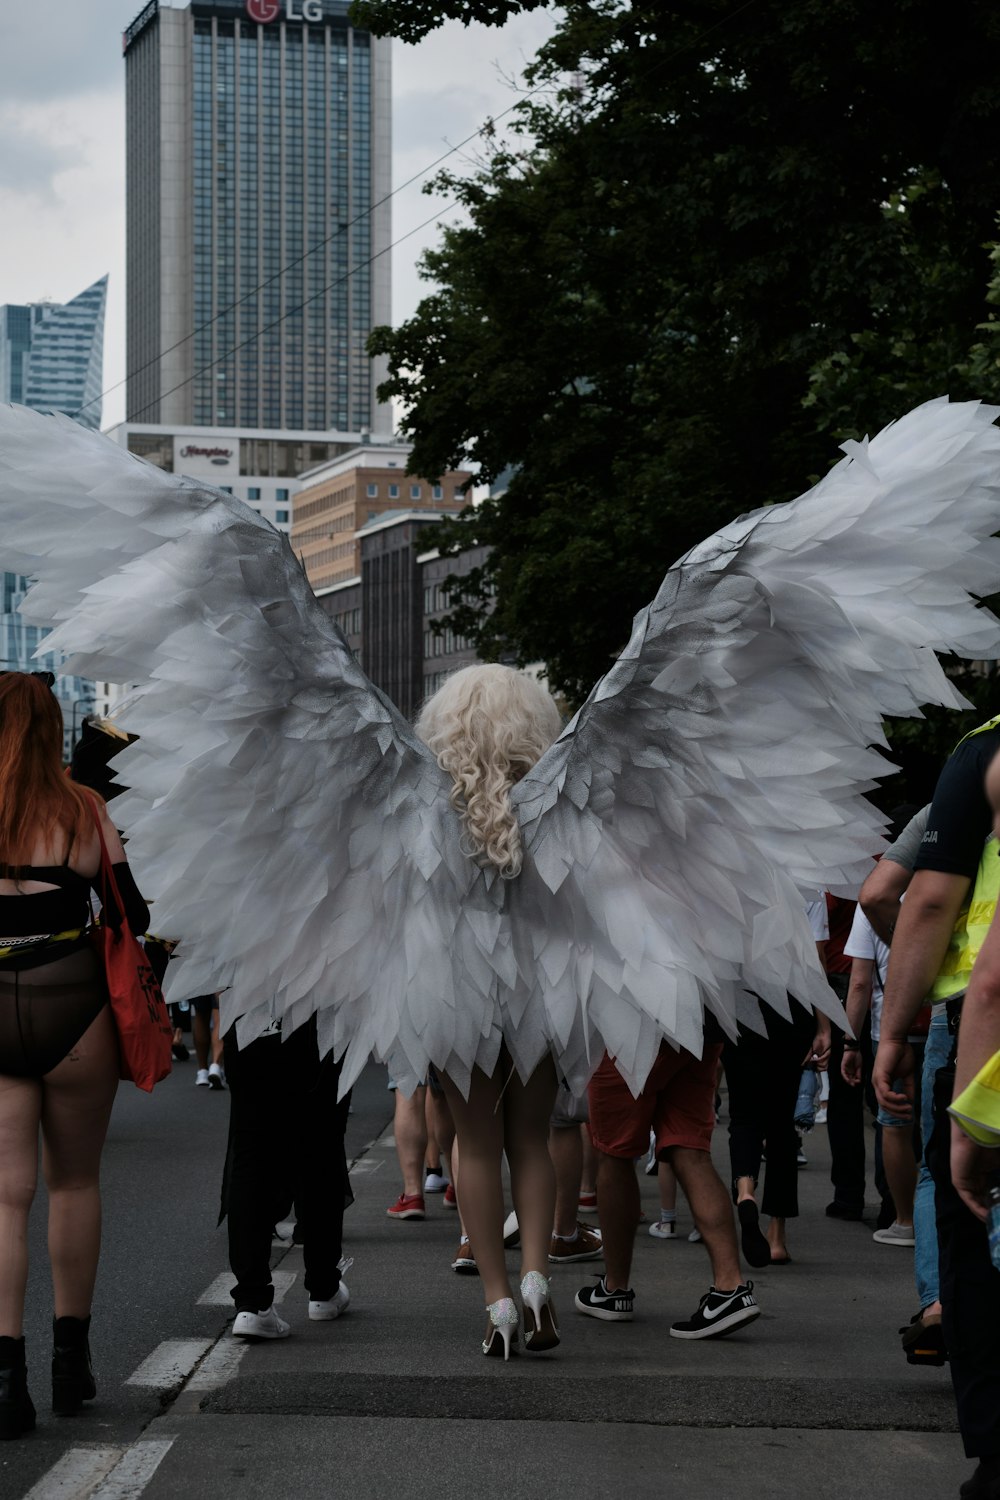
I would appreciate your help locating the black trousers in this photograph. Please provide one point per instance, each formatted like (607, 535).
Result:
(286, 1143)
(762, 1074)
(845, 1121)
(970, 1293)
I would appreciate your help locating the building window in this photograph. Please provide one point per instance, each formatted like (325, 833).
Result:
(437, 492)
(281, 495)
(415, 492)
(253, 493)
(281, 516)
(372, 491)
(226, 489)
(394, 492)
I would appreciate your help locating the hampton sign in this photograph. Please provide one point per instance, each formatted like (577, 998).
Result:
(264, 11)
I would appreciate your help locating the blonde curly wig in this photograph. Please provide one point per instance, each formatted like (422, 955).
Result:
(487, 726)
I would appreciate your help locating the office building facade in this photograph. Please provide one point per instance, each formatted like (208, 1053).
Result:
(258, 153)
(389, 611)
(338, 499)
(257, 466)
(52, 354)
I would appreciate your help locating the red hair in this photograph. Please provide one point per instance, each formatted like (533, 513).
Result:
(36, 798)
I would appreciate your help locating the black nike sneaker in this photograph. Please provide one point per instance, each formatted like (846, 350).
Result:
(719, 1313)
(598, 1302)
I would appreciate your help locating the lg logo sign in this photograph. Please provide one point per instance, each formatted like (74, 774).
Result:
(264, 11)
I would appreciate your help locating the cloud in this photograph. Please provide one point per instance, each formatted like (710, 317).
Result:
(59, 49)
(30, 164)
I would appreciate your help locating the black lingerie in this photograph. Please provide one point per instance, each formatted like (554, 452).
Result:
(50, 992)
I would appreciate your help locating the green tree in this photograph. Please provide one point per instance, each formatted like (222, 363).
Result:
(415, 18)
(725, 238)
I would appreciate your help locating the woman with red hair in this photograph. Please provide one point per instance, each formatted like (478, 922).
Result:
(58, 1045)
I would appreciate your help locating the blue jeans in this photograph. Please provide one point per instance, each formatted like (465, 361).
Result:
(925, 1257)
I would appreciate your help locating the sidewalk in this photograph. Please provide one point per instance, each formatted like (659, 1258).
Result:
(395, 1397)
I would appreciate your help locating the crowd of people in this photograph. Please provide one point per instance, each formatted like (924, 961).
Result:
(920, 940)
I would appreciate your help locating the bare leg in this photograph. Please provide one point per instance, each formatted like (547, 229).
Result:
(712, 1211)
(666, 1179)
(588, 1178)
(527, 1110)
(76, 1107)
(900, 1171)
(432, 1150)
(479, 1127)
(618, 1212)
(216, 1035)
(776, 1239)
(439, 1118)
(566, 1150)
(410, 1131)
(20, 1112)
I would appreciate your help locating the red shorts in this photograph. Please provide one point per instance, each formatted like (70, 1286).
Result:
(677, 1104)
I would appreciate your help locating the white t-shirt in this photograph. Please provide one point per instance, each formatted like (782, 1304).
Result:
(864, 942)
(819, 919)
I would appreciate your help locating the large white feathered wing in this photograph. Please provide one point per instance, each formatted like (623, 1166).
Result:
(717, 773)
(294, 833)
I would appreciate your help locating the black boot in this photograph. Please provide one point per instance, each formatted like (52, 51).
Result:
(72, 1374)
(17, 1414)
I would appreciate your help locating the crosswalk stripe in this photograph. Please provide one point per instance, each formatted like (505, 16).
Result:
(170, 1363)
(75, 1474)
(217, 1295)
(218, 1367)
(134, 1470)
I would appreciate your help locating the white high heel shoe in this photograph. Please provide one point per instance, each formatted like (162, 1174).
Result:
(501, 1335)
(541, 1330)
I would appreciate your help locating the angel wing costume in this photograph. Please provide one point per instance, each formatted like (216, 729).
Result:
(300, 838)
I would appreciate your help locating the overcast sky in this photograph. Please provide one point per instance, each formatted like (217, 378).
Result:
(62, 167)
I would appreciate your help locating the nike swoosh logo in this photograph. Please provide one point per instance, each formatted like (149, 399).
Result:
(726, 1306)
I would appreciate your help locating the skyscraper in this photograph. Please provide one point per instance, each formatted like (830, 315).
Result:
(258, 146)
(52, 355)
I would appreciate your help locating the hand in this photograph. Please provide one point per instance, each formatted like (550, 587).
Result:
(850, 1066)
(970, 1167)
(894, 1060)
(818, 1056)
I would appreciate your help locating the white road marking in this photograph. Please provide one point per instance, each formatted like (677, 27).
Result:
(75, 1474)
(217, 1295)
(131, 1475)
(366, 1166)
(170, 1363)
(217, 1367)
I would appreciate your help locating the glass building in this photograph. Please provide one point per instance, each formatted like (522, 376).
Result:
(18, 643)
(258, 146)
(52, 355)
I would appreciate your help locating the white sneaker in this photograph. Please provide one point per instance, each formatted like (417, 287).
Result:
(201, 1079)
(435, 1183)
(694, 1238)
(896, 1234)
(663, 1229)
(216, 1077)
(260, 1325)
(324, 1311)
(332, 1307)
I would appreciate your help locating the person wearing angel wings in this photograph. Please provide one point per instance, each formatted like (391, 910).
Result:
(319, 859)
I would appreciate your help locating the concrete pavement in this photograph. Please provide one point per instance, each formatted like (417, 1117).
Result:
(813, 1400)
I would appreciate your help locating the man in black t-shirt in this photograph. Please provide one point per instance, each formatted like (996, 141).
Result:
(959, 823)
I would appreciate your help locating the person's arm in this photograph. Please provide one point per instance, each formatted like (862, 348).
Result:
(978, 1041)
(859, 995)
(881, 894)
(923, 931)
(136, 910)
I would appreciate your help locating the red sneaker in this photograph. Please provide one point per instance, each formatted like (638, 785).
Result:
(587, 1203)
(449, 1200)
(407, 1207)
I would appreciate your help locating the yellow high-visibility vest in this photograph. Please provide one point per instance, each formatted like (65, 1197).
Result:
(974, 919)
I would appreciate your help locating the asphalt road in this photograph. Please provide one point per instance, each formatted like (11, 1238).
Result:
(814, 1400)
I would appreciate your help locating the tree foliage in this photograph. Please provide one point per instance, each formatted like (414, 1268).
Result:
(413, 19)
(726, 238)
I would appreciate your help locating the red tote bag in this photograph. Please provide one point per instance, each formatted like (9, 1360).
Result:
(145, 1034)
